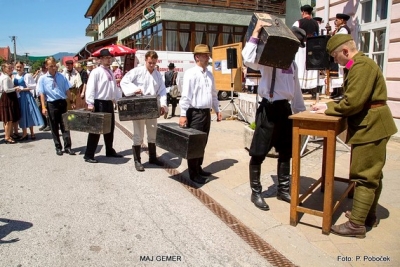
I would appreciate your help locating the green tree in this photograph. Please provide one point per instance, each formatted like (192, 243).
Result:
(37, 65)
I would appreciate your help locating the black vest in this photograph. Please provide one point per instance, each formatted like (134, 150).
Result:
(310, 26)
(169, 78)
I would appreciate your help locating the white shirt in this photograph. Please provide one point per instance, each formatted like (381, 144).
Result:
(6, 84)
(101, 86)
(73, 77)
(150, 83)
(342, 30)
(287, 85)
(198, 90)
(41, 73)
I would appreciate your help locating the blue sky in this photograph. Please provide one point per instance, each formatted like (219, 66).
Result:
(44, 27)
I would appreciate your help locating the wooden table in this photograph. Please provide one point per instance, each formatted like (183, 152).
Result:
(328, 127)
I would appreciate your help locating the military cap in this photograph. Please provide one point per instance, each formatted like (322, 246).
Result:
(342, 16)
(319, 19)
(337, 40)
(307, 8)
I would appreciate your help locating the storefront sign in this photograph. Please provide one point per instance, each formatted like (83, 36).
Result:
(144, 23)
(149, 13)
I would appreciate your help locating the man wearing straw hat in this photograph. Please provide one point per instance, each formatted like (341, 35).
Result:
(199, 95)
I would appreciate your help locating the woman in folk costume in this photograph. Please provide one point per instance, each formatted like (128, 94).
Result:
(30, 114)
(9, 108)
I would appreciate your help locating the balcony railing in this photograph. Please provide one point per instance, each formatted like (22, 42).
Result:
(92, 30)
(135, 12)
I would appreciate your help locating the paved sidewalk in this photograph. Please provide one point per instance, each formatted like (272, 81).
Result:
(304, 245)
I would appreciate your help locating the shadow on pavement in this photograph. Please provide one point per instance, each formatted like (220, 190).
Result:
(12, 226)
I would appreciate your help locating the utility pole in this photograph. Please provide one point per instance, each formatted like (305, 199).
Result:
(27, 59)
(13, 39)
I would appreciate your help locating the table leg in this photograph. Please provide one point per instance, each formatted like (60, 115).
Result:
(323, 165)
(295, 177)
(329, 181)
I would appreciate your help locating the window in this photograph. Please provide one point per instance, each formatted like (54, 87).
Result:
(373, 29)
(171, 36)
(184, 37)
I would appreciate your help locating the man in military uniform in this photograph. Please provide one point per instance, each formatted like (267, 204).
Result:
(370, 125)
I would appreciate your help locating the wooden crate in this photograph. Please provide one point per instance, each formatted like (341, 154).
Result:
(184, 142)
(277, 46)
(87, 121)
(138, 108)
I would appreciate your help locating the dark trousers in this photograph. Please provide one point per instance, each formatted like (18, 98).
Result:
(279, 131)
(105, 106)
(55, 110)
(199, 119)
(172, 100)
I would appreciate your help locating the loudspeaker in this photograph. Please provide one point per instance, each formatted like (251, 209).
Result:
(231, 55)
(317, 58)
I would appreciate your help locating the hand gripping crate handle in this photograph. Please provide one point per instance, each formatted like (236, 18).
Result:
(270, 22)
(88, 118)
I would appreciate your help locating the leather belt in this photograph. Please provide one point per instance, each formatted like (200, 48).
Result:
(200, 109)
(376, 104)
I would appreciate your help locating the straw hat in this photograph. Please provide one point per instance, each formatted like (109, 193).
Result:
(201, 49)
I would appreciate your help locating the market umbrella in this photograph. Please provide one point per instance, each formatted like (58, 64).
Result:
(115, 50)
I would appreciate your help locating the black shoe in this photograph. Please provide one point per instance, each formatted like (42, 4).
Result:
(284, 197)
(204, 173)
(15, 136)
(259, 201)
(59, 152)
(23, 138)
(42, 128)
(69, 151)
(46, 129)
(200, 180)
(90, 160)
(114, 155)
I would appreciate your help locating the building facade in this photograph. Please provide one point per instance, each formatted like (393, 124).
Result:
(375, 26)
(178, 25)
(172, 25)
(5, 53)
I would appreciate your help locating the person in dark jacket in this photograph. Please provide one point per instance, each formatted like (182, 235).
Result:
(170, 81)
